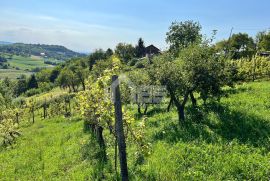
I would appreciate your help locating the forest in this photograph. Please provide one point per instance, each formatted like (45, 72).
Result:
(199, 110)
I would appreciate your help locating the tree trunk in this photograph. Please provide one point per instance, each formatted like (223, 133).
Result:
(69, 106)
(139, 108)
(83, 83)
(180, 106)
(193, 100)
(33, 115)
(101, 142)
(180, 111)
(73, 87)
(181, 114)
(44, 109)
(17, 118)
(145, 109)
(170, 104)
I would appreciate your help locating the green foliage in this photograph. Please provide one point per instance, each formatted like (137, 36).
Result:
(202, 71)
(182, 34)
(197, 69)
(44, 75)
(100, 67)
(21, 86)
(252, 69)
(125, 52)
(242, 45)
(8, 126)
(140, 48)
(142, 63)
(109, 53)
(68, 79)
(32, 82)
(7, 91)
(263, 41)
(133, 62)
(222, 46)
(241, 41)
(238, 46)
(96, 56)
(32, 92)
(2, 59)
(95, 102)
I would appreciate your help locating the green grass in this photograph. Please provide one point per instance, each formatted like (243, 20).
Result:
(26, 62)
(49, 149)
(229, 140)
(22, 65)
(12, 73)
(224, 141)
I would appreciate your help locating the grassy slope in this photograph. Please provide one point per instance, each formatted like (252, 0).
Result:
(12, 73)
(26, 62)
(47, 150)
(231, 142)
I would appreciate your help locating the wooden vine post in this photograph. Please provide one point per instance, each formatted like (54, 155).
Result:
(17, 117)
(119, 128)
(45, 109)
(33, 113)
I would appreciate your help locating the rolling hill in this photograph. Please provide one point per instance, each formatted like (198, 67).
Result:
(49, 51)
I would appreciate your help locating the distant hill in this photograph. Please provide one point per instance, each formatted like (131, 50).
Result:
(5, 43)
(49, 51)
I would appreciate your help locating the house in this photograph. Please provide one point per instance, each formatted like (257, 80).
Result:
(152, 50)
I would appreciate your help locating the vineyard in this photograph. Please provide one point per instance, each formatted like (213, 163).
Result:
(196, 111)
(149, 136)
(211, 149)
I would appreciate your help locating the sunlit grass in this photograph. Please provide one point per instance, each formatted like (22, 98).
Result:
(228, 140)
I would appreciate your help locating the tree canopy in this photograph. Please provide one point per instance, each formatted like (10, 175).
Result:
(182, 34)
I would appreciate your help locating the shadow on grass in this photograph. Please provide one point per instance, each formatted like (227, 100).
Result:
(91, 152)
(152, 110)
(226, 125)
(236, 90)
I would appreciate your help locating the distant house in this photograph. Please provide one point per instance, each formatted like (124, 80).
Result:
(42, 54)
(152, 50)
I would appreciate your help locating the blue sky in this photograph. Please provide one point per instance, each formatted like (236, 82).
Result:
(85, 25)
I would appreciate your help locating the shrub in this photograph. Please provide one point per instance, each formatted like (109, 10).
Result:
(132, 62)
(32, 92)
(139, 65)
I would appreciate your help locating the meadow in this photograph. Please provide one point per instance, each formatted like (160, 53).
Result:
(27, 63)
(12, 73)
(226, 140)
(19, 65)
